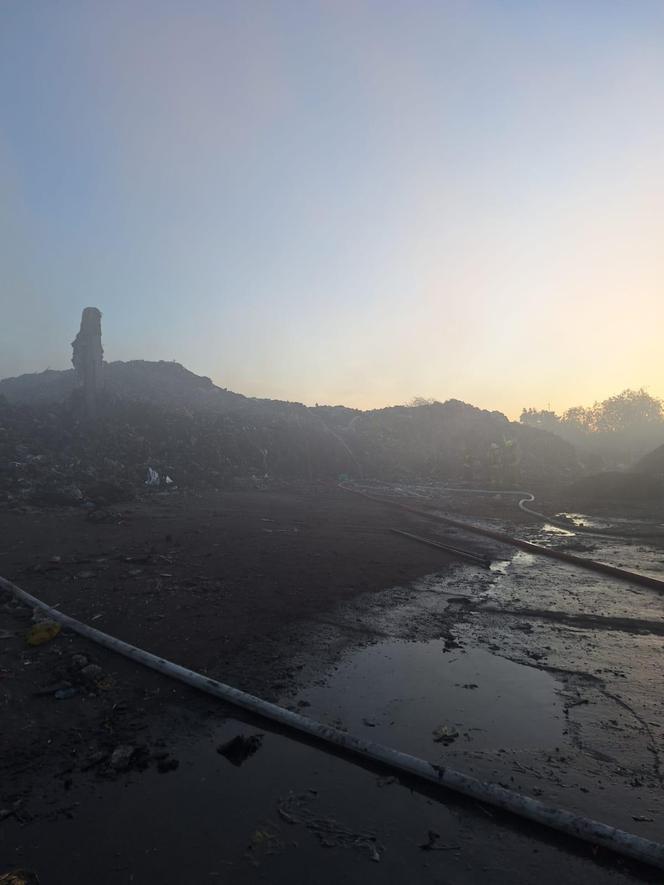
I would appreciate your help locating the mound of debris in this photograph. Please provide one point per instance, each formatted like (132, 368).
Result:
(99, 433)
(614, 488)
(653, 463)
(55, 455)
(39, 388)
(454, 440)
(161, 383)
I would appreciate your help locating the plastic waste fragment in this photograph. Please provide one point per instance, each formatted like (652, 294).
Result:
(152, 480)
(240, 748)
(19, 877)
(445, 734)
(42, 632)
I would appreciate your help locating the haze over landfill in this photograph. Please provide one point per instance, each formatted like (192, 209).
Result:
(340, 203)
(331, 442)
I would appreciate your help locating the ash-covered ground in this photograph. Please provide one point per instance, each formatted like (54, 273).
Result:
(531, 673)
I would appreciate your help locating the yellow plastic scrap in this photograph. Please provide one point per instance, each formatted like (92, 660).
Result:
(42, 632)
(445, 734)
(19, 877)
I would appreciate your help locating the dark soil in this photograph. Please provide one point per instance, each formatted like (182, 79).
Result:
(243, 586)
(220, 583)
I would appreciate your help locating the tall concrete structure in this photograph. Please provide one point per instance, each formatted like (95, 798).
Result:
(88, 356)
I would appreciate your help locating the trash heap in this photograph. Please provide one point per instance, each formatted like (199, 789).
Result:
(54, 456)
(157, 426)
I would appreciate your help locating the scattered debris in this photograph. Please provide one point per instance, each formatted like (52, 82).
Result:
(63, 694)
(19, 877)
(152, 480)
(433, 843)
(121, 757)
(11, 812)
(387, 780)
(263, 843)
(51, 689)
(240, 748)
(91, 672)
(295, 810)
(445, 734)
(157, 426)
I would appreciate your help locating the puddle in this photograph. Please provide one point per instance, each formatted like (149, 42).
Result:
(630, 554)
(584, 521)
(399, 692)
(210, 821)
(521, 557)
(550, 529)
(200, 821)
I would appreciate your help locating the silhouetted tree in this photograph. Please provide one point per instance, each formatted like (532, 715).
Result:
(543, 419)
(620, 428)
(627, 411)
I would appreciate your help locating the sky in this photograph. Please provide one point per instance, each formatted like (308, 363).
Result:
(340, 202)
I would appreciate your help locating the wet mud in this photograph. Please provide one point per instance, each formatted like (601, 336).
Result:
(539, 677)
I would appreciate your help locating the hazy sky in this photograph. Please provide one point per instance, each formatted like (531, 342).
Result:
(340, 201)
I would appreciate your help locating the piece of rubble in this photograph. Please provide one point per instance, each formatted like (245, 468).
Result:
(121, 757)
(64, 694)
(169, 763)
(445, 734)
(41, 632)
(240, 748)
(19, 877)
(92, 672)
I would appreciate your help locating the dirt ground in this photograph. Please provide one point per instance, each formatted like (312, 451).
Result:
(259, 589)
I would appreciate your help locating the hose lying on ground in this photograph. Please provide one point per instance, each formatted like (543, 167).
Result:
(618, 841)
(470, 555)
(538, 549)
(528, 498)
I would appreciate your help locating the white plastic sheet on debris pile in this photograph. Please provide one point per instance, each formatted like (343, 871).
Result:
(152, 480)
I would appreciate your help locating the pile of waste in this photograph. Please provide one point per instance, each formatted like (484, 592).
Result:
(54, 456)
(156, 425)
(653, 463)
(616, 487)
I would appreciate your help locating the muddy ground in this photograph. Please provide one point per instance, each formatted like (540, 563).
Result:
(110, 773)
